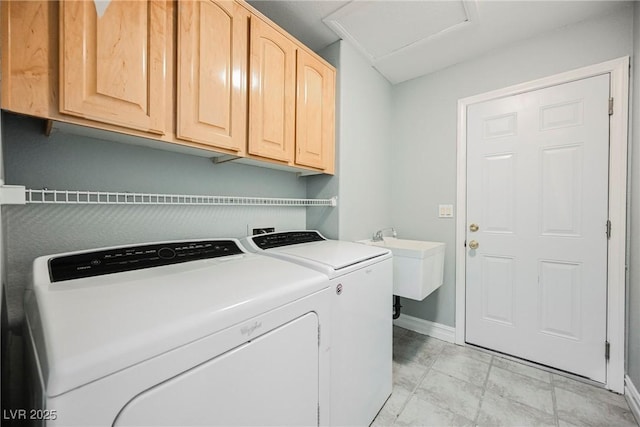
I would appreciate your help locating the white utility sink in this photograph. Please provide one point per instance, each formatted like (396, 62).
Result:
(418, 266)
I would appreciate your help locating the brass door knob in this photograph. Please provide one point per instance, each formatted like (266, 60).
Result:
(473, 244)
(474, 228)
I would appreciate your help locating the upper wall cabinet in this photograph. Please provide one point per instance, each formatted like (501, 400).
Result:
(206, 77)
(212, 73)
(315, 113)
(272, 93)
(113, 62)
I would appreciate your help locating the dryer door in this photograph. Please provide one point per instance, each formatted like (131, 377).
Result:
(271, 380)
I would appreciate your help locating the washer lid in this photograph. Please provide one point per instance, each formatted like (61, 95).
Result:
(85, 329)
(334, 254)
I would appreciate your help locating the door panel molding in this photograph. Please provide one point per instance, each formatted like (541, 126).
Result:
(616, 260)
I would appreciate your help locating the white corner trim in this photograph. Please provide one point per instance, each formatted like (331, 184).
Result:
(425, 327)
(633, 397)
(12, 194)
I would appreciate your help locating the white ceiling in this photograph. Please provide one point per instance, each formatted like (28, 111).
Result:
(407, 39)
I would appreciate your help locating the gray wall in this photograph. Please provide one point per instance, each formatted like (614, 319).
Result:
(70, 162)
(364, 148)
(3, 331)
(633, 303)
(423, 158)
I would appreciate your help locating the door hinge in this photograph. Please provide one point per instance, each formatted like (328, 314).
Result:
(607, 350)
(318, 414)
(610, 106)
(318, 335)
(608, 228)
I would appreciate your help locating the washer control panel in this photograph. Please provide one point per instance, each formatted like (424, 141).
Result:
(117, 260)
(275, 240)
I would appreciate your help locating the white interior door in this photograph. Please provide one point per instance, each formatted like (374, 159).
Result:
(537, 189)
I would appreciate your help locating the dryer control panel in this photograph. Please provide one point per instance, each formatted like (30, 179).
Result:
(117, 260)
(287, 238)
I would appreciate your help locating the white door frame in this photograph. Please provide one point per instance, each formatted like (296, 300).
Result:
(618, 140)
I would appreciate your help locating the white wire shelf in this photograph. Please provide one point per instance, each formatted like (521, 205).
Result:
(116, 198)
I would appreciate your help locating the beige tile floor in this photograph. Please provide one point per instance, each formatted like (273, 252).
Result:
(440, 384)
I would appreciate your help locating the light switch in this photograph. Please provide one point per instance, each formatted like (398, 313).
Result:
(445, 211)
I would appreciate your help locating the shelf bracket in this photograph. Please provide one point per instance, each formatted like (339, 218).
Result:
(223, 159)
(307, 173)
(48, 127)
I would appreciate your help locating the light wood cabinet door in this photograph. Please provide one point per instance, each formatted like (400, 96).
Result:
(315, 113)
(113, 62)
(272, 93)
(212, 73)
(29, 56)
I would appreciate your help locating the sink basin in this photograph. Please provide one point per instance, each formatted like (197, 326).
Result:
(418, 266)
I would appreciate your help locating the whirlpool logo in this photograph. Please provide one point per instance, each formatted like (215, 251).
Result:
(248, 330)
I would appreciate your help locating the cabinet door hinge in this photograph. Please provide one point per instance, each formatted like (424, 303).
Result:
(607, 350)
(608, 228)
(610, 106)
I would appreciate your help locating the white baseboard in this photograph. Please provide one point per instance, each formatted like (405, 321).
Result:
(425, 327)
(633, 397)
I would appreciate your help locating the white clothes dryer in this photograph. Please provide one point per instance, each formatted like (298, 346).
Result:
(361, 278)
(178, 333)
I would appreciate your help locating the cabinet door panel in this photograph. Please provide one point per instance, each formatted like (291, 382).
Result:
(272, 97)
(315, 113)
(29, 56)
(212, 64)
(112, 66)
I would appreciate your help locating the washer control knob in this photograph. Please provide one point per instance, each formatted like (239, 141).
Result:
(166, 253)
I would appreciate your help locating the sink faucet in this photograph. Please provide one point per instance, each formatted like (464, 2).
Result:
(379, 235)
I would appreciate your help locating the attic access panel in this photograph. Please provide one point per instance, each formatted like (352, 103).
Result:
(380, 28)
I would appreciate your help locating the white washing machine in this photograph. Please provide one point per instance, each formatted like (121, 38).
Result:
(178, 333)
(361, 278)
